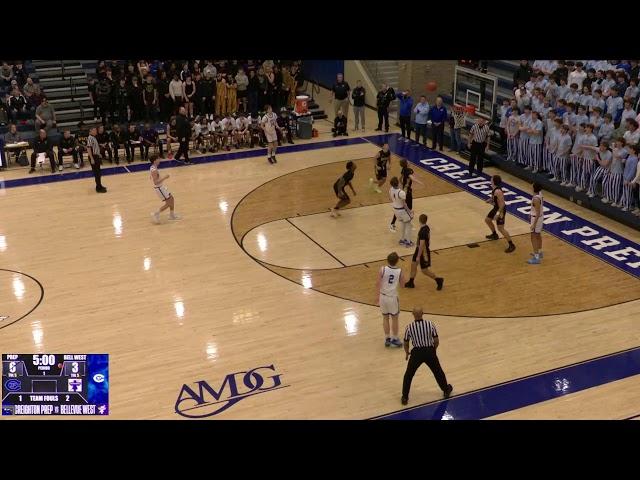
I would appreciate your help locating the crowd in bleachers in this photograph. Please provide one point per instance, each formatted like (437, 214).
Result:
(20, 96)
(577, 122)
(154, 90)
(223, 100)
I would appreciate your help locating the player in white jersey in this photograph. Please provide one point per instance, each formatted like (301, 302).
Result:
(203, 135)
(398, 199)
(243, 136)
(215, 127)
(228, 125)
(537, 220)
(387, 283)
(270, 125)
(161, 190)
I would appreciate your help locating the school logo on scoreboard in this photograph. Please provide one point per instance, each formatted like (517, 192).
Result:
(13, 385)
(202, 400)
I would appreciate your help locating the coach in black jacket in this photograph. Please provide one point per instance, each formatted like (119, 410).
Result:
(42, 145)
(68, 146)
(385, 96)
(183, 129)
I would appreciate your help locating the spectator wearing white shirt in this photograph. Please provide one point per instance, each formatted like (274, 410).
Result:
(573, 95)
(597, 101)
(578, 75)
(632, 90)
(562, 89)
(632, 134)
(606, 129)
(549, 67)
(628, 112)
(175, 91)
(585, 97)
(596, 120)
(607, 84)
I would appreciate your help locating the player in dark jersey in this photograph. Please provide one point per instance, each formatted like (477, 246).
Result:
(383, 162)
(407, 177)
(340, 185)
(499, 208)
(422, 247)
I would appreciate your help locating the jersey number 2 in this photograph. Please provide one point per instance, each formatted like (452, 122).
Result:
(391, 277)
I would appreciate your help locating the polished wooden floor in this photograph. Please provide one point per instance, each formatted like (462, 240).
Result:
(256, 273)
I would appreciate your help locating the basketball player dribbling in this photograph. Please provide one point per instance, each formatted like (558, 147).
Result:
(398, 199)
(389, 278)
(537, 220)
(424, 238)
(499, 207)
(269, 125)
(407, 178)
(339, 189)
(383, 162)
(162, 191)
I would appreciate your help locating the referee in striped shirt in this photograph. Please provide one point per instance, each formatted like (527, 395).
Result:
(93, 150)
(422, 333)
(479, 134)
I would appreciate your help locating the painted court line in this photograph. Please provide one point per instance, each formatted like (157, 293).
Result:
(139, 167)
(527, 391)
(592, 239)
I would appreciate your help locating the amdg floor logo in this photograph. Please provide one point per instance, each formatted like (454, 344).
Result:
(205, 401)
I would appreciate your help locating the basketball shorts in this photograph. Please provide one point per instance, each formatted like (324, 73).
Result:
(424, 263)
(537, 226)
(341, 194)
(380, 174)
(402, 215)
(389, 305)
(492, 214)
(163, 192)
(272, 137)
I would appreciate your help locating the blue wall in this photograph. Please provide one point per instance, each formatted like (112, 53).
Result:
(322, 71)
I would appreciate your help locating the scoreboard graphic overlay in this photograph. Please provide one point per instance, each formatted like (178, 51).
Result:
(55, 384)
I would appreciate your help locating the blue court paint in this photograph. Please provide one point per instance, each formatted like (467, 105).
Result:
(38, 178)
(527, 391)
(587, 236)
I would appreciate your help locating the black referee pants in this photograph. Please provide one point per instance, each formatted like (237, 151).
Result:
(97, 173)
(420, 355)
(477, 156)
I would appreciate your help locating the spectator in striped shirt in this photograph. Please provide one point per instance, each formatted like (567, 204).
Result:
(424, 336)
(459, 121)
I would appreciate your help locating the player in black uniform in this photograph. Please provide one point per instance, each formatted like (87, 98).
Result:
(131, 141)
(81, 135)
(103, 141)
(407, 177)
(116, 139)
(499, 207)
(340, 185)
(383, 162)
(285, 126)
(422, 246)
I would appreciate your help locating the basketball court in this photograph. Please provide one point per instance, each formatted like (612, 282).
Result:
(257, 280)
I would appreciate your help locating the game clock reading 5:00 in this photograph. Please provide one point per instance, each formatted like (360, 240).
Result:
(55, 384)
